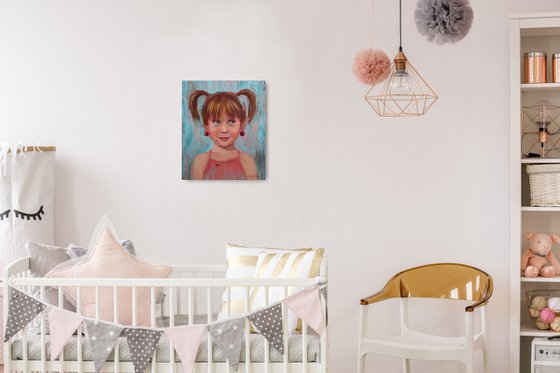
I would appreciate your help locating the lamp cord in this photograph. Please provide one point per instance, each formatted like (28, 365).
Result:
(400, 25)
(373, 23)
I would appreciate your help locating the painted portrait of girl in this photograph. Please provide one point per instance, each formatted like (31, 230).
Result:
(224, 130)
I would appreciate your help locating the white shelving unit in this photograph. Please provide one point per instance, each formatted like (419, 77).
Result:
(528, 32)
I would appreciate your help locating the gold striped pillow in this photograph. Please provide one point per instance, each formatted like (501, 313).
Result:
(284, 265)
(242, 263)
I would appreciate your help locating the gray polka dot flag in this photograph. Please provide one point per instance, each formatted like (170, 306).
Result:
(21, 310)
(142, 344)
(102, 338)
(228, 336)
(269, 324)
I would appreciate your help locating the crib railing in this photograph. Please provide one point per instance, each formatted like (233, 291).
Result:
(196, 290)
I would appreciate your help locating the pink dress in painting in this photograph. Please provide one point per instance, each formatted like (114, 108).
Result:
(224, 170)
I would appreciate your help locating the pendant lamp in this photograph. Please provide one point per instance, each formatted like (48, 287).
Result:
(405, 93)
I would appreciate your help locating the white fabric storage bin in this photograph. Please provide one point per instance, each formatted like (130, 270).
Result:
(27, 182)
(544, 180)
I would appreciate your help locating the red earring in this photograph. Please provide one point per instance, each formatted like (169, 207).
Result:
(242, 133)
(206, 133)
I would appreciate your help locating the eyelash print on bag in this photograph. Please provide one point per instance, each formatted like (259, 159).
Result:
(35, 216)
(5, 214)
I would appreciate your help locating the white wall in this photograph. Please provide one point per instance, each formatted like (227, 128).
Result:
(101, 80)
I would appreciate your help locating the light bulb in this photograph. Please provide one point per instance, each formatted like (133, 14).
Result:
(401, 83)
(543, 119)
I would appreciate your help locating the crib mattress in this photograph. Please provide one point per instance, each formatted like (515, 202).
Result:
(257, 344)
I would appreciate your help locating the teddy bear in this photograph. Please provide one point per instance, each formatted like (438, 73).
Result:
(538, 259)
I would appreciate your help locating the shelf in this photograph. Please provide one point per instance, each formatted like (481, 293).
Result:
(545, 31)
(539, 160)
(530, 330)
(539, 209)
(540, 279)
(542, 87)
(542, 363)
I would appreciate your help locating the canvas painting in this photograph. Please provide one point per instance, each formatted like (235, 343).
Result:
(224, 124)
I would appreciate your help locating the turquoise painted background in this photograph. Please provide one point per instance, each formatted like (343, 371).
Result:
(254, 141)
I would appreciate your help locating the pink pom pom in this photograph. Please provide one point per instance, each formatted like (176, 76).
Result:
(547, 315)
(371, 66)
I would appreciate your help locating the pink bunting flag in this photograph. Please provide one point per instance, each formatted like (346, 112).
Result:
(306, 304)
(62, 325)
(186, 340)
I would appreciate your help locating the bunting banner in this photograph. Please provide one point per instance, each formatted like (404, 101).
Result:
(21, 310)
(142, 344)
(102, 339)
(324, 294)
(62, 325)
(186, 340)
(269, 324)
(228, 336)
(306, 304)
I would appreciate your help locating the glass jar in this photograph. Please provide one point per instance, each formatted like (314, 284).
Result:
(556, 68)
(534, 67)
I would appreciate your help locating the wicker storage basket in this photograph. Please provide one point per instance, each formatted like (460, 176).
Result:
(544, 180)
(535, 311)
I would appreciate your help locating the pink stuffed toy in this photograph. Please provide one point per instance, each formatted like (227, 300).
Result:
(538, 259)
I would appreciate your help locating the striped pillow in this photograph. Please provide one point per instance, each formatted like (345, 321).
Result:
(242, 263)
(284, 265)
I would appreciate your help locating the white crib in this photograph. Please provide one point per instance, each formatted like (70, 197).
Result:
(191, 290)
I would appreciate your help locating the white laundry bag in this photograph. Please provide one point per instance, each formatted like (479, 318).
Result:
(27, 180)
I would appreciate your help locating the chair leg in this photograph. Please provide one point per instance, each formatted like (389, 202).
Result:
(484, 361)
(406, 365)
(469, 365)
(361, 363)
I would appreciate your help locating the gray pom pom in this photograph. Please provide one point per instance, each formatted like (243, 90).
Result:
(443, 21)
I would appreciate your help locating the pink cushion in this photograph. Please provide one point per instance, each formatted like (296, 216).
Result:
(109, 259)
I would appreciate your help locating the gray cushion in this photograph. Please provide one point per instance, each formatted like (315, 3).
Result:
(75, 251)
(51, 297)
(44, 258)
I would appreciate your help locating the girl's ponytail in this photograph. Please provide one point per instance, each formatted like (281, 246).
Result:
(252, 109)
(193, 102)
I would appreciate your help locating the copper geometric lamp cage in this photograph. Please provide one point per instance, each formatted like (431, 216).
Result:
(540, 131)
(405, 93)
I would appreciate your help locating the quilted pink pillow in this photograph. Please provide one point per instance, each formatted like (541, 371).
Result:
(108, 259)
